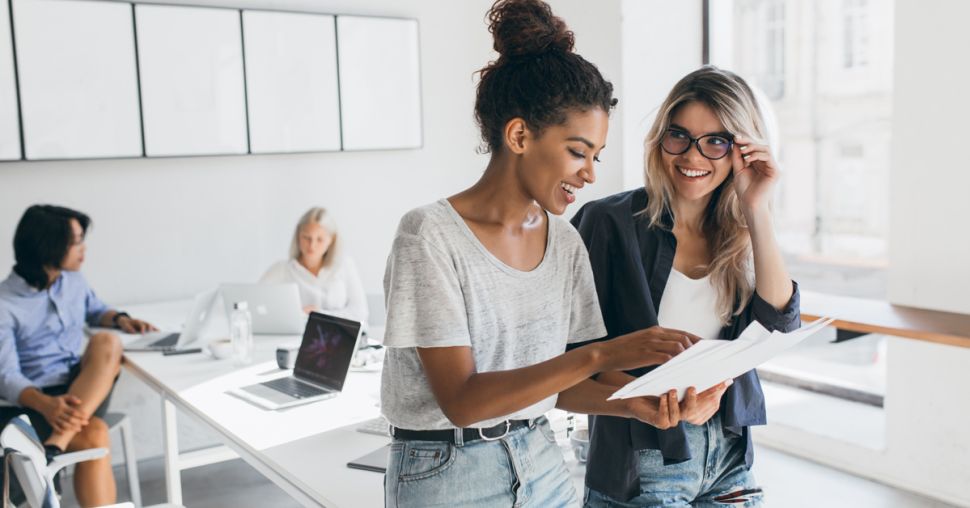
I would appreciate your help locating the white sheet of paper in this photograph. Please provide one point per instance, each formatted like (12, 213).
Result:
(710, 350)
(710, 362)
(694, 353)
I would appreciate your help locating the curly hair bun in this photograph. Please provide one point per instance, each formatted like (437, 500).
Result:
(526, 28)
(537, 76)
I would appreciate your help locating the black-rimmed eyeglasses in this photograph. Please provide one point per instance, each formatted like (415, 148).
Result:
(712, 146)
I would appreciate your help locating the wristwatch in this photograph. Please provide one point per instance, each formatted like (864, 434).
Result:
(117, 316)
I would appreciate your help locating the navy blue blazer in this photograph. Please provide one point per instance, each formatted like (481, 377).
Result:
(631, 262)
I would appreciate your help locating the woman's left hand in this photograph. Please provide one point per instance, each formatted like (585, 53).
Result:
(697, 408)
(755, 173)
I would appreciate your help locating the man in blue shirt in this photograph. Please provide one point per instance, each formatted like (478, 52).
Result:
(44, 306)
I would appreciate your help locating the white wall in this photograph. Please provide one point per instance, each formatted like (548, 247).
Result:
(166, 228)
(927, 440)
(598, 39)
(662, 42)
(929, 180)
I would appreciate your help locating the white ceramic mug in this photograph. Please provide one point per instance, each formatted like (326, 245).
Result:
(580, 441)
(220, 349)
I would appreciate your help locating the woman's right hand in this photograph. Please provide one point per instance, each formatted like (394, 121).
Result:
(62, 412)
(650, 346)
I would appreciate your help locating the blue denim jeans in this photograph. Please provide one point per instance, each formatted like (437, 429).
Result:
(714, 477)
(525, 468)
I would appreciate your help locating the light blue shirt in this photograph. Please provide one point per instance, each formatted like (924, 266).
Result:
(41, 331)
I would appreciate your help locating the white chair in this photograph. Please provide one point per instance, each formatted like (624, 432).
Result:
(24, 455)
(119, 422)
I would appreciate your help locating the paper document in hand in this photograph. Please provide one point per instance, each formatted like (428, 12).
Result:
(710, 362)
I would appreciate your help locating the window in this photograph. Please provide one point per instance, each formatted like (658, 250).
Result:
(773, 76)
(826, 69)
(855, 33)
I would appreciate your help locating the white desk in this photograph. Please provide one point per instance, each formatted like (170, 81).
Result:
(304, 450)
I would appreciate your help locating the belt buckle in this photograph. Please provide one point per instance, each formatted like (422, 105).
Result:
(508, 427)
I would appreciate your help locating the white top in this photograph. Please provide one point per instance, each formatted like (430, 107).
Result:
(335, 290)
(444, 288)
(690, 305)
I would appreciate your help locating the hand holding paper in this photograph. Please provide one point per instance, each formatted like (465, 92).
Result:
(710, 362)
(650, 346)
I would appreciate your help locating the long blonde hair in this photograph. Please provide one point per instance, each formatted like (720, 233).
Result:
(318, 215)
(724, 227)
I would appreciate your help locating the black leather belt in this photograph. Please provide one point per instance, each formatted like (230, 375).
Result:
(471, 434)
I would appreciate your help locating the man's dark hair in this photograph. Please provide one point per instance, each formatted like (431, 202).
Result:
(42, 239)
(537, 76)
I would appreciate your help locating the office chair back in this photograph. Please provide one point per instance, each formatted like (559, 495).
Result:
(24, 456)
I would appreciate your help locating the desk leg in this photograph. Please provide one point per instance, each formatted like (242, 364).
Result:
(173, 473)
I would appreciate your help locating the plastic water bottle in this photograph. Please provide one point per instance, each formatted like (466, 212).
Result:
(241, 333)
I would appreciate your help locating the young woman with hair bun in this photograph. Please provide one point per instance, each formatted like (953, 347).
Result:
(485, 288)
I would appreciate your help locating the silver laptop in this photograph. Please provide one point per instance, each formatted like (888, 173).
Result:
(169, 340)
(329, 343)
(275, 308)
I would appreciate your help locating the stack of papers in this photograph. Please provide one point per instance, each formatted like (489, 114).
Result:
(710, 362)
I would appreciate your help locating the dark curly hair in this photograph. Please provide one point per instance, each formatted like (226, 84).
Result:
(537, 76)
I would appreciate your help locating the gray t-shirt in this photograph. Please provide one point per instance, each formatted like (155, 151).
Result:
(444, 288)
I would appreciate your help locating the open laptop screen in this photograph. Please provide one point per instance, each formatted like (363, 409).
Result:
(328, 346)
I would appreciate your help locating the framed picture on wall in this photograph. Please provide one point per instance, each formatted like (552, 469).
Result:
(380, 83)
(291, 82)
(9, 109)
(78, 79)
(192, 84)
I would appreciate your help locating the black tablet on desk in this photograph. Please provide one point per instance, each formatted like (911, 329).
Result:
(375, 461)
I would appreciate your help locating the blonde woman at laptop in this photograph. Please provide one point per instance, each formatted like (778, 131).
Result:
(327, 278)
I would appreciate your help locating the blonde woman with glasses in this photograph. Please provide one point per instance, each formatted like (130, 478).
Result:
(693, 250)
(327, 278)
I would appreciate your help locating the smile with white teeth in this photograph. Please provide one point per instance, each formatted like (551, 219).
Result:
(568, 188)
(692, 173)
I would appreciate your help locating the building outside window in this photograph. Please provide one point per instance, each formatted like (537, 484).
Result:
(856, 33)
(825, 67)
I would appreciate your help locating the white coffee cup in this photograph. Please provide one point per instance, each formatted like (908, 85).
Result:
(220, 349)
(580, 442)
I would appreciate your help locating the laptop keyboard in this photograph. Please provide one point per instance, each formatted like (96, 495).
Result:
(294, 388)
(167, 341)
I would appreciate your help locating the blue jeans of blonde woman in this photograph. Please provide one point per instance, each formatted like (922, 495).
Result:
(523, 469)
(714, 477)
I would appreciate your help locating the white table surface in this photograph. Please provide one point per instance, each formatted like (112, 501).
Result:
(303, 449)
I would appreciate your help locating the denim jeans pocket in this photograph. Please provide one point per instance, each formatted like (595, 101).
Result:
(650, 457)
(546, 430)
(424, 459)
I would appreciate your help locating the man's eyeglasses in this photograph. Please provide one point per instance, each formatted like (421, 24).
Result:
(712, 146)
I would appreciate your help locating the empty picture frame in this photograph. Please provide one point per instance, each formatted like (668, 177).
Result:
(9, 118)
(78, 79)
(380, 83)
(193, 94)
(291, 82)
